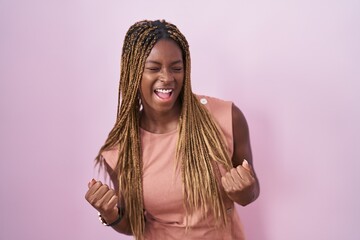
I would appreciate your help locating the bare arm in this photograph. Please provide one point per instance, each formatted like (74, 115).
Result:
(241, 183)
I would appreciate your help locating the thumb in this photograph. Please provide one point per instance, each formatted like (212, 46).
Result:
(91, 183)
(246, 165)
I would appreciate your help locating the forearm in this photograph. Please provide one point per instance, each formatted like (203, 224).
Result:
(122, 226)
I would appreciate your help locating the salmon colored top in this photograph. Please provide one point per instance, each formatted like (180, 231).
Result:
(162, 185)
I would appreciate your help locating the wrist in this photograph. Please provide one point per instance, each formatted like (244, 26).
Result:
(113, 219)
(242, 198)
(109, 216)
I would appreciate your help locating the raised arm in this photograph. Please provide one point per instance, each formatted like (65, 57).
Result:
(107, 200)
(241, 183)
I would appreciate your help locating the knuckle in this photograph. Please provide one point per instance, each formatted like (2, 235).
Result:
(106, 208)
(233, 190)
(98, 205)
(92, 201)
(98, 184)
(250, 181)
(104, 188)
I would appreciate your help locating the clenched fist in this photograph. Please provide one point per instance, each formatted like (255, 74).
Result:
(103, 199)
(240, 183)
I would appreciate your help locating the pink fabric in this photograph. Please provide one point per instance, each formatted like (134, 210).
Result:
(162, 185)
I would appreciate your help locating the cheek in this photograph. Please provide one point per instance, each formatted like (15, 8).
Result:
(182, 80)
(145, 86)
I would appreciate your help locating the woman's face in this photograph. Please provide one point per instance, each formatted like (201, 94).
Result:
(162, 78)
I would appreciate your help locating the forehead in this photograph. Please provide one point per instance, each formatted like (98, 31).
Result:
(165, 49)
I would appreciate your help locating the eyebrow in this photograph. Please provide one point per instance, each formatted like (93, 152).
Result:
(155, 62)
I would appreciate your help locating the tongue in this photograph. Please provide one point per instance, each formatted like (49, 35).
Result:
(163, 95)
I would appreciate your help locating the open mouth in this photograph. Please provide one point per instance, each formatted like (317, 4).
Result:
(163, 93)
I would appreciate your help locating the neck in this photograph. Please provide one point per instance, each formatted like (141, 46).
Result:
(156, 122)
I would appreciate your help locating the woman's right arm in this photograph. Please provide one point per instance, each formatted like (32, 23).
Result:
(106, 200)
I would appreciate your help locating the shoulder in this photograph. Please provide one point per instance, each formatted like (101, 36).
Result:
(209, 99)
(220, 109)
(221, 112)
(238, 117)
(111, 157)
(214, 104)
(223, 108)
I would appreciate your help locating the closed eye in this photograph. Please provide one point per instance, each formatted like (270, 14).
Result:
(153, 69)
(177, 69)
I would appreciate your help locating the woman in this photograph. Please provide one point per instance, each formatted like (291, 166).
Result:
(176, 159)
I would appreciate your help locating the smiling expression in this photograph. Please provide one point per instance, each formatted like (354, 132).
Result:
(163, 77)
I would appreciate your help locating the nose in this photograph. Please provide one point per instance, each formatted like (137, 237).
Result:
(166, 76)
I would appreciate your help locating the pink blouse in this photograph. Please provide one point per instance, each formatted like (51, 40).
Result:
(162, 185)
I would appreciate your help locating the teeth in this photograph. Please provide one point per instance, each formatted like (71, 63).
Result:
(164, 90)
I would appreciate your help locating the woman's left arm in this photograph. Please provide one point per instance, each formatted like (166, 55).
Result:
(241, 183)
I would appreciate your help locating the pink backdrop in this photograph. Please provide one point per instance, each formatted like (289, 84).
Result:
(293, 67)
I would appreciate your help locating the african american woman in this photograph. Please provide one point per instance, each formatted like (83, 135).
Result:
(177, 161)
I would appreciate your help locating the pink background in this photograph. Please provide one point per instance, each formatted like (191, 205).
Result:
(293, 67)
